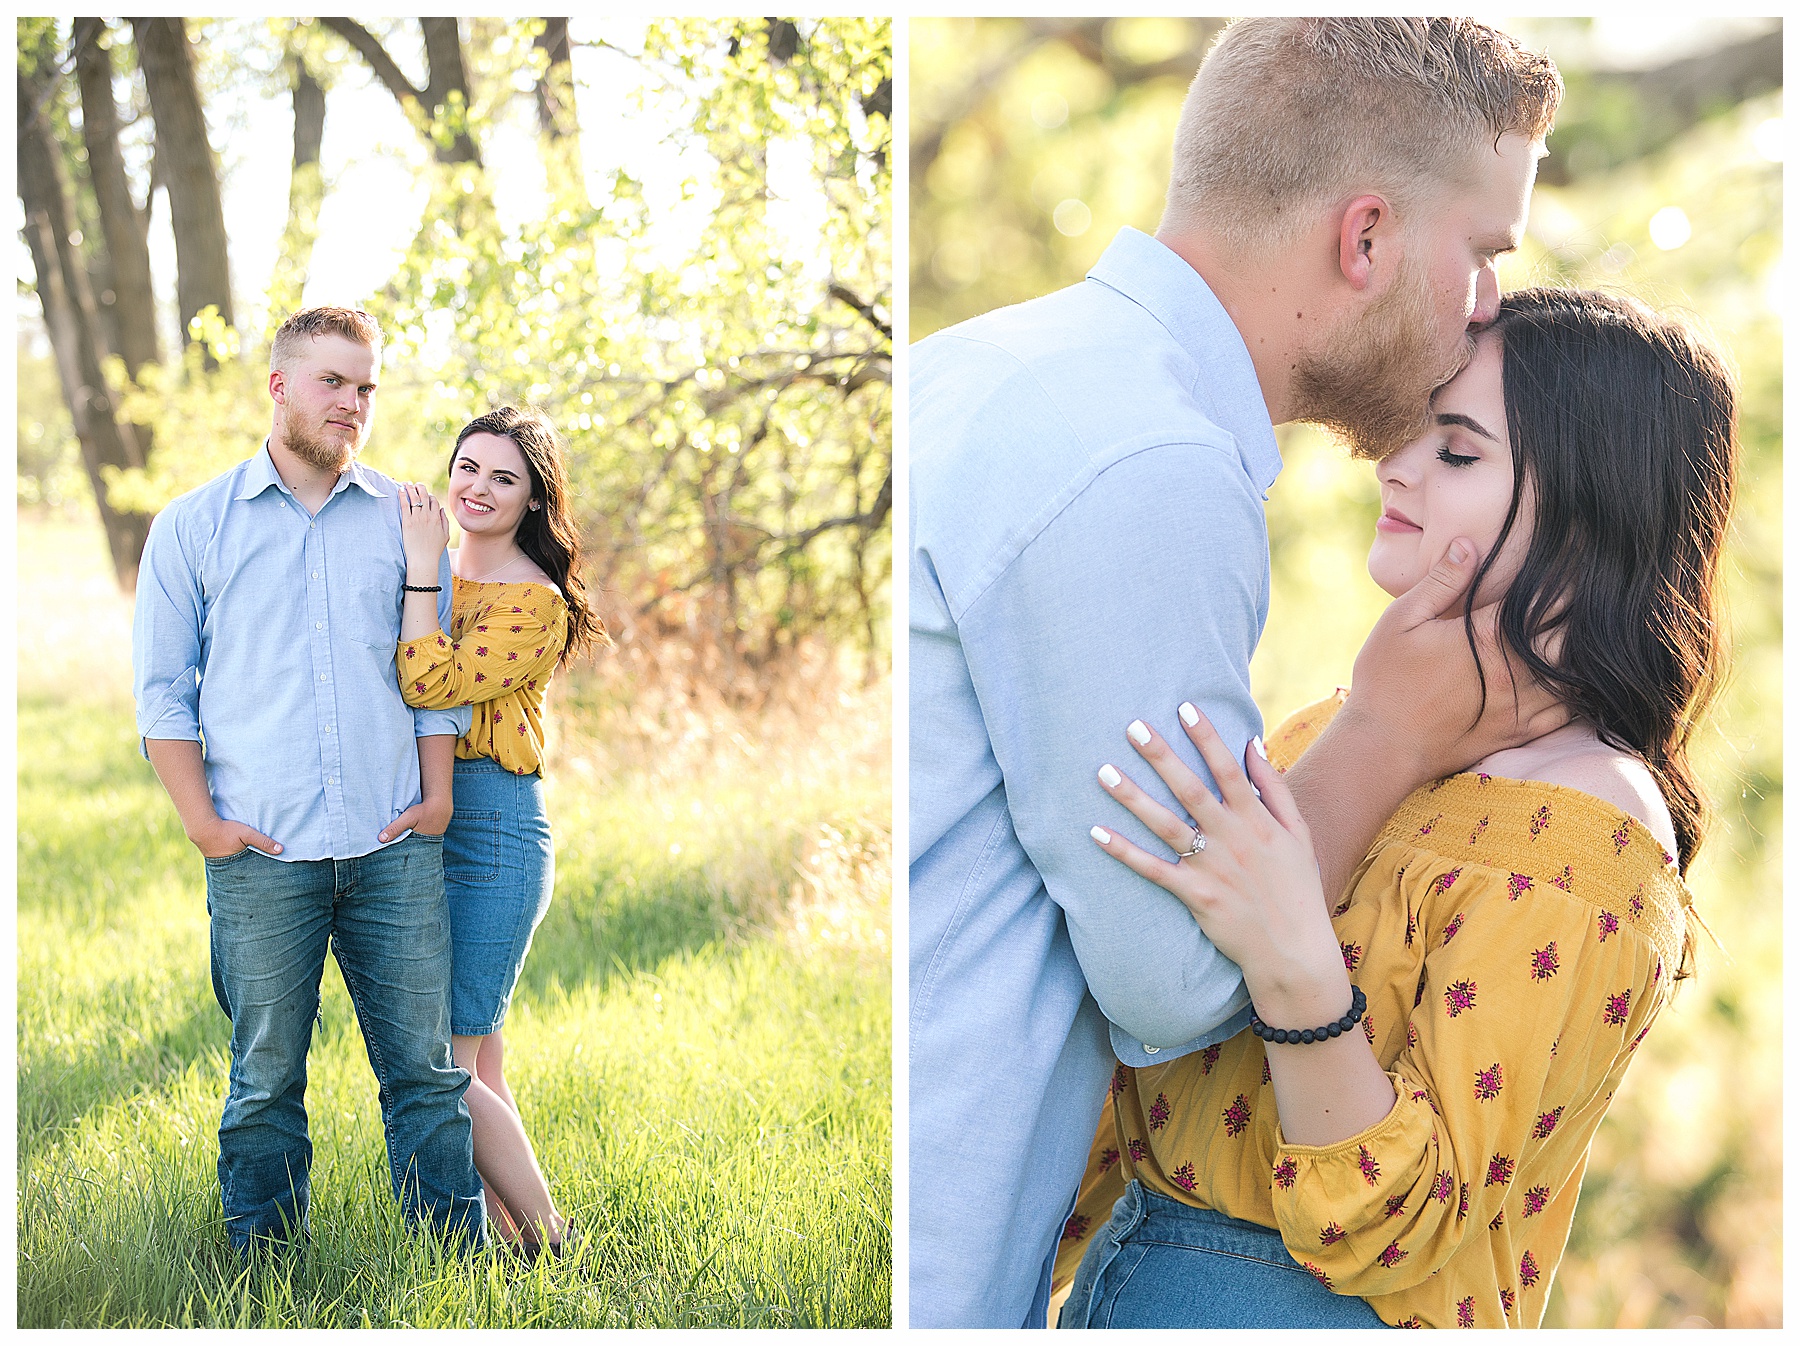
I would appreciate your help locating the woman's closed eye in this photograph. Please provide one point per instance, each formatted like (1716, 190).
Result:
(1452, 459)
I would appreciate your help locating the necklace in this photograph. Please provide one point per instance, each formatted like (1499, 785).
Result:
(490, 575)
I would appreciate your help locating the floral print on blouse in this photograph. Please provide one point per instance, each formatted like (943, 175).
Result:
(1515, 941)
(503, 646)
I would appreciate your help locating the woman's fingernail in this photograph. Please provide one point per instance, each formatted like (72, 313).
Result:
(1101, 835)
(1189, 716)
(1140, 733)
(1459, 551)
(1109, 776)
(1261, 751)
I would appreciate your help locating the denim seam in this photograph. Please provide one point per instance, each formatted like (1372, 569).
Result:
(381, 1074)
(1222, 1252)
(1113, 1297)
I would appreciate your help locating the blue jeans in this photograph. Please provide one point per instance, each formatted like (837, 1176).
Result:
(1160, 1263)
(384, 917)
(499, 869)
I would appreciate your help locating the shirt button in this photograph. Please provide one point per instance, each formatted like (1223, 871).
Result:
(331, 780)
(318, 626)
(315, 574)
(1151, 1051)
(328, 729)
(324, 677)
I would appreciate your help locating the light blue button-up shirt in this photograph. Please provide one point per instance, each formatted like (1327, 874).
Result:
(1088, 547)
(268, 635)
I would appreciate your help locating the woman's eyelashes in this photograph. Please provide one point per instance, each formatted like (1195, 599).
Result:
(1449, 458)
(471, 470)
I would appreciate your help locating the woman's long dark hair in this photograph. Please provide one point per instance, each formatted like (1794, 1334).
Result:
(547, 535)
(1625, 425)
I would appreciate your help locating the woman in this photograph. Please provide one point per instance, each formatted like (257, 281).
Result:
(1513, 931)
(519, 611)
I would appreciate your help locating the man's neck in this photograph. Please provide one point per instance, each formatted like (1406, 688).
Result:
(312, 486)
(1272, 301)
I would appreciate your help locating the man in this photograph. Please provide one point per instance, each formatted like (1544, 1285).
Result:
(1089, 549)
(268, 607)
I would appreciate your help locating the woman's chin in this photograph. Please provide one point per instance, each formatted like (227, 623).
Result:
(1390, 583)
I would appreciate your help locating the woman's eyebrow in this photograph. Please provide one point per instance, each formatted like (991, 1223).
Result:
(1467, 422)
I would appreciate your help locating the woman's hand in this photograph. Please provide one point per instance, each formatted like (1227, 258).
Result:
(424, 532)
(1254, 888)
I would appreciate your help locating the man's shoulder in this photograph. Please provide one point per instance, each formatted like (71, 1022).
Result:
(1087, 365)
(1077, 317)
(206, 500)
(374, 476)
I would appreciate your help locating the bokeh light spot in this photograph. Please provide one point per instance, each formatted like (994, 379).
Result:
(1669, 228)
(1072, 217)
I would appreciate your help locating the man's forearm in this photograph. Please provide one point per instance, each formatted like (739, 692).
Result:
(1347, 784)
(437, 767)
(181, 768)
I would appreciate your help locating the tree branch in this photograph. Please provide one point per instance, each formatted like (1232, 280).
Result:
(844, 295)
(369, 47)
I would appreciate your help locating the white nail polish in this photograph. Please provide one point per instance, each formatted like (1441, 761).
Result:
(1101, 835)
(1109, 777)
(1189, 716)
(1140, 733)
(1261, 751)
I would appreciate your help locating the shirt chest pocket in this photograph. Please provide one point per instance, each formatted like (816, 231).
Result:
(367, 612)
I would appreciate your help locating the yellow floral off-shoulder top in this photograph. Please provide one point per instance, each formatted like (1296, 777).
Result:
(1515, 941)
(503, 646)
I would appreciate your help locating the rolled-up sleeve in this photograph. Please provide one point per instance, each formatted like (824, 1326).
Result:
(455, 719)
(1155, 578)
(165, 635)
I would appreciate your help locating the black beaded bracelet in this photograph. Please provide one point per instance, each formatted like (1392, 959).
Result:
(423, 588)
(1358, 1003)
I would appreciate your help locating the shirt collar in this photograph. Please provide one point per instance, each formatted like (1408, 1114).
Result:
(260, 474)
(1156, 278)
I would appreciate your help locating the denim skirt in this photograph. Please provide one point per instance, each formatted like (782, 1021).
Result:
(1160, 1263)
(499, 869)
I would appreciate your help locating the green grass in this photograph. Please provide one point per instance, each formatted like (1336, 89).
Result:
(699, 1046)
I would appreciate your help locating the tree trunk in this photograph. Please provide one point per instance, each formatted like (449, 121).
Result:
(185, 159)
(558, 125)
(556, 86)
(441, 108)
(306, 193)
(447, 93)
(73, 325)
(120, 220)
(132, 332)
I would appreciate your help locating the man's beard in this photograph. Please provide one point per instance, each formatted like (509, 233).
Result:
(1372, 382)
(316, 451)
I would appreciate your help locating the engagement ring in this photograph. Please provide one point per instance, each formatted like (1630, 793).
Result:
(1198, 846)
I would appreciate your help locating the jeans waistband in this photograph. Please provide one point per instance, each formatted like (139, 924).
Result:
(468, 766)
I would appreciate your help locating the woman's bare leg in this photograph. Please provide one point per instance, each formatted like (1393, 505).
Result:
(492, 1065)
(503, 1154)
(500, 1216)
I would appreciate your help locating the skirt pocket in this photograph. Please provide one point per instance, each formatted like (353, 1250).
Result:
(472, 846)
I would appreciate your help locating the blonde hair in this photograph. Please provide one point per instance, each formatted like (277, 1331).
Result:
(1287, 114)
(296, 334)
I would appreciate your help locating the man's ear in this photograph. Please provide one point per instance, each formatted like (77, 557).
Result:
(1366, 224)
(278, 386)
